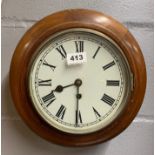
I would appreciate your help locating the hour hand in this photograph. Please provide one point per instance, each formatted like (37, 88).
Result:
(60, 88)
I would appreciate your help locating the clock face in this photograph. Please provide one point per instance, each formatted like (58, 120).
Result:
(83, 97)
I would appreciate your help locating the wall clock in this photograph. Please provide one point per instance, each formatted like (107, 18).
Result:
(77, 78)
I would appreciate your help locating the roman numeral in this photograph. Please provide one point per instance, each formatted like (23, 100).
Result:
(79, 46)
(62, 51)
(96, 52)
(61, 112)
(107, 99)
(109, 65)
(48, 99)
(96, 113)
(78, 117)
(113, 82)
(49, 65)
(44, 82)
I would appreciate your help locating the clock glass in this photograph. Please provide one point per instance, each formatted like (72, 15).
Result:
(79, 81)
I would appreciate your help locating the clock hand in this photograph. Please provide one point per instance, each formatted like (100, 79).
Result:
(77, 107)
(60, 88)
(77, 83)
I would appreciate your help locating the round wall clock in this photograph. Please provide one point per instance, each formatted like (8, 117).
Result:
(77, 78)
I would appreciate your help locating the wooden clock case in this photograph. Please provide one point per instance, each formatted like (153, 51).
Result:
(57, 22)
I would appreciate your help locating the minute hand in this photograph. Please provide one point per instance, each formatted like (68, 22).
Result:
(78, 118)
(77, 107)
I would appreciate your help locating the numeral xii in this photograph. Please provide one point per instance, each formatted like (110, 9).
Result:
(79, 46)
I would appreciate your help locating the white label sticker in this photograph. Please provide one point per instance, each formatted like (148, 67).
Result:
(76, 58)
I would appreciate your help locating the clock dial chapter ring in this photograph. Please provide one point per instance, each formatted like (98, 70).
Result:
(106, 97)
(27, 50)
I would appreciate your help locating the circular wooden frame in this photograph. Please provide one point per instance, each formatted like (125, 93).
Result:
(57, 22)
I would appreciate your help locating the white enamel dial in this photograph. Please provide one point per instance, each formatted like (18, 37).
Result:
(80, 98)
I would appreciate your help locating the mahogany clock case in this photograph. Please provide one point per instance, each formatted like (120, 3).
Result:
(57, 22)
